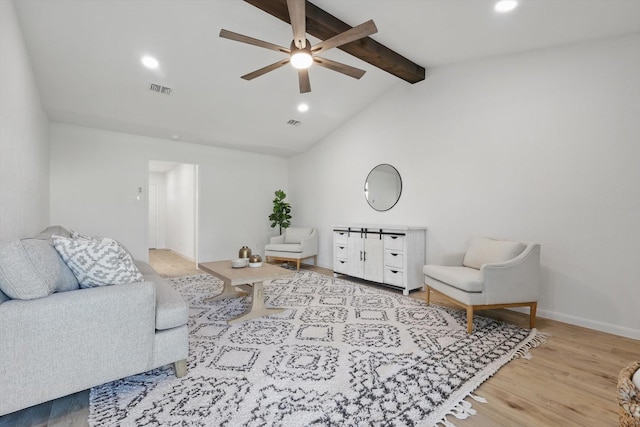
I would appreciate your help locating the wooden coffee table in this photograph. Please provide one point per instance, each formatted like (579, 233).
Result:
(247, 278)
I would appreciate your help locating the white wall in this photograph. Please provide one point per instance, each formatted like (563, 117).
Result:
(543, 146)
(181, 218)
(95, 176)
(24, 145)
(160, 181)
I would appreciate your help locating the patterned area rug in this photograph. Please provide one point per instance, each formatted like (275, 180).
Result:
(342, 354)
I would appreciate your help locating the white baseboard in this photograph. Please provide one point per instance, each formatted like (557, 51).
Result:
(585, 323)
(180, 254)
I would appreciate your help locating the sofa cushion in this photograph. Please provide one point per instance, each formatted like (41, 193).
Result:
(296, 234)
(145, 269)
(31, 268)
(97, 263)
(464, 278)
(483, 250)
(294, 248)
(3, 297)
(171, 310)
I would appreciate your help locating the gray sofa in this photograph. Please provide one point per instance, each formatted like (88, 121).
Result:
(74, 338)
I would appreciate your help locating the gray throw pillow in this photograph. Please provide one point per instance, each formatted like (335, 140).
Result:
(49, 265)
(58, 230)
(97, 262)
(31, 268)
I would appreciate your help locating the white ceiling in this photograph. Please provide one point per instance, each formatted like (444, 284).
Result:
(159, 166)
(86, 57)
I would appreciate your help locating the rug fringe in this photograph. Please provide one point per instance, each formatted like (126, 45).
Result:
(478, 398)
(461, 411)
(536, 338)
(464, 409)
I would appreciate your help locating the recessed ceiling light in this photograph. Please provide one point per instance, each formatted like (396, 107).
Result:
(150, 62)
(303, 107)
(505, 6)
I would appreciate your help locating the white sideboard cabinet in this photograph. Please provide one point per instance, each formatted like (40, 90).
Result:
(390, 255)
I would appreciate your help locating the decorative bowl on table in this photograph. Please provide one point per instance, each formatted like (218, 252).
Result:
(255, 261)
(239, 263)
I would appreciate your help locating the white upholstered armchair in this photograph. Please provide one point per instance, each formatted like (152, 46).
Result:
(295, 244)
(493, 274)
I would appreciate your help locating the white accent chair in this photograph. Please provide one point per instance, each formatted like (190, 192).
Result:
(493, 274)
(295, 244)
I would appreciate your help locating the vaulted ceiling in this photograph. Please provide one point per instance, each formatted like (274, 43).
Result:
(86, 57)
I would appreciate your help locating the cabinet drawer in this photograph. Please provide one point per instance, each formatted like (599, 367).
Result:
(341, 251)
(393, 277)
(394, 259)
(340, 266)
(340, 237)
(393, 242)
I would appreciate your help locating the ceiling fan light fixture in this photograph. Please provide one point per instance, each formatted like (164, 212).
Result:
(301, 59)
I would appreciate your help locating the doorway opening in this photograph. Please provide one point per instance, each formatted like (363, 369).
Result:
(172, 237)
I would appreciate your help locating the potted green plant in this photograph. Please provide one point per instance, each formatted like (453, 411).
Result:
(281, 211)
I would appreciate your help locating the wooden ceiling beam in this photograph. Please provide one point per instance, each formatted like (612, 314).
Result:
(323, 25)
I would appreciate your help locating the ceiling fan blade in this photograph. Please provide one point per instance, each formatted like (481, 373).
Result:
(358, 32)
(298, 22)
(348, 70)
(265, 70)
(303, 79)
(250, 40)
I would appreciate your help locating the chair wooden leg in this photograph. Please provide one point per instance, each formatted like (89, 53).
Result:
(469, 319)
(315, 260)
(427, 298)
(298, 264)
(532, 315)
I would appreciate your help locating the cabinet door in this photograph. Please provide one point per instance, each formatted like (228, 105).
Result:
(355, 249)
(374, 258)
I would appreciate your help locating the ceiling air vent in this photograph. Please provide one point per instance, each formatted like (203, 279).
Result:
(293, 122)
(154, 87)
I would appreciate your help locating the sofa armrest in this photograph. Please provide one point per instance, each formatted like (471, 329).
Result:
(74, 340)
(516, 280)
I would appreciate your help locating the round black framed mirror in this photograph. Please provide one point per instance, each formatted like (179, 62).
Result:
(383, 187)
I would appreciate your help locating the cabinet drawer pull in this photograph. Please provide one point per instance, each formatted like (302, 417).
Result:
(394, 254)
(394, 271)
(341, 247)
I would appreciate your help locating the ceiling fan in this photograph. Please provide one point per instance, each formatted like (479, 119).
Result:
(301, 53)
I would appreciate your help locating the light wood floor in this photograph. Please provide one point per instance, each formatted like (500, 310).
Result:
(570, 381)
(170, 264)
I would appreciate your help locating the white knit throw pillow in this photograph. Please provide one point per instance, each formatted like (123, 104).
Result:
(97, 262)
